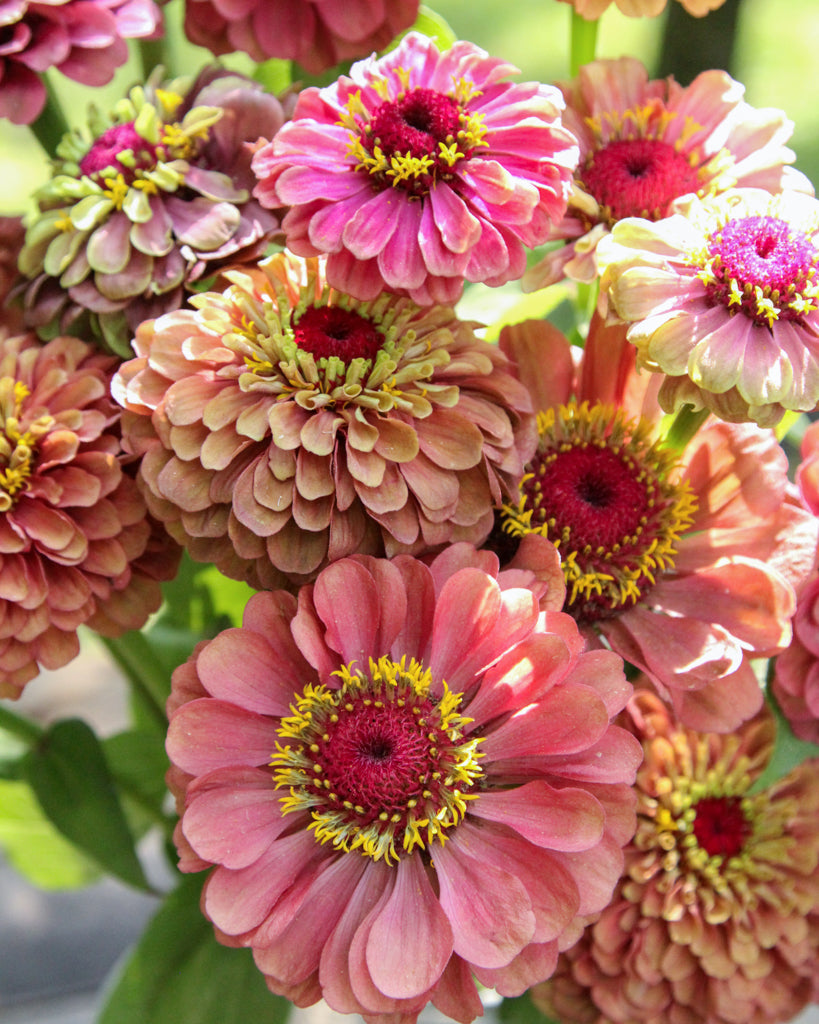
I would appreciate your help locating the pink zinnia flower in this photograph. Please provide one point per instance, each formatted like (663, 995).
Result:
(419, 170)
(646, 144)
(72, 523)
(682, 565)
(592, 9)
(796, 674)
(807, 471)
(316, 34)
(723, 298)
(407, 780)
(84, 39)
(285, 425)
(714, 920)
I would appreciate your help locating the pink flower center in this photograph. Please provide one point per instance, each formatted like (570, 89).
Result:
(327, 331)
(114, 143)
(720, 826)
(638, 178)
(763, 267)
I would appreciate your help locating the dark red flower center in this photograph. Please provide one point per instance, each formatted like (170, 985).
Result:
(106, 150)
(638, 178)
(415, 123)
(720, 825)
(327, 331)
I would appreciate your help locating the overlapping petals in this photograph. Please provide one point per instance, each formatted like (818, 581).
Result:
(375, 925)
(592, 9)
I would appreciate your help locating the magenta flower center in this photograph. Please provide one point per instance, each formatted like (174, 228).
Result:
(720, 826)
(763, 267)
(327, 331)
(120, 148)
(637, 178)
(381, 765)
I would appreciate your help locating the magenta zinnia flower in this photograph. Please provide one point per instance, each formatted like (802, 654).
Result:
(714, 921)
(72, 523)
(646, 144)
(419, 170)
(84, 39)
(407, 780)
(723, 298)
(316, 34)
(285, 425)
(683, 565)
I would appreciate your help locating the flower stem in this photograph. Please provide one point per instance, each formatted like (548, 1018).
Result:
(133, 655)
(684, 426)
(51, 125)
(584, 42)
(153, 53)
(20, 727)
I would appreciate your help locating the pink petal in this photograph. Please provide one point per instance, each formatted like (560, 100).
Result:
(558, 819)
(207, 733)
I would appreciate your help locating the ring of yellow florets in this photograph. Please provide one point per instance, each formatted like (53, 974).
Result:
(380, 765)
(604, 492)
(18, 446)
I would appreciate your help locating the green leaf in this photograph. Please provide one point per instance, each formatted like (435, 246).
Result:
(179, 974)
(432, 24)
(138, 763)
(70, 778)
(34, 847)
(521, 1010)
(788, 751)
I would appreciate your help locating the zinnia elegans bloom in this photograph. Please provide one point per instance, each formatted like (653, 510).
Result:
(592, 9)
(72, 522)
(419, 170)
(682, 565)
(405, 776)
(84, 39)
(285, 425)
(714, 919)
(157, 197)
(316, 34)
(12, 234)
(807, 472)
(646, 144)
(796, 675)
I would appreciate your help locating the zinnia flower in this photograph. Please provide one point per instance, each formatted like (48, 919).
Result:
(646, 144)
(407, 779)
(316, 34)
(155, 198)
(12, 234)
(72, 522)
(796, 674)
(419, 170)
(285, 425)
(723, 299)
(711, 923)
(592, 9)
(807, 471)
(681, 564)
(84, 39)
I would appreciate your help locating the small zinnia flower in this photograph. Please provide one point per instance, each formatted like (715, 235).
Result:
(592, 9)
(714, 921)
(407, 779)
(723, 298)
(420, 170)
(646, 144)
(72, 522)
(285, 425)
(681, 564)
(316, 34)
(156, 198)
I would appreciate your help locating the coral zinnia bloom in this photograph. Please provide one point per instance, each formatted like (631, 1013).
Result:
(681, 565)
(84, 39)
(72, 522)
(723, 298)
(285, 425)
(419, 170)
(592, 9)
(711, 923)
(406, 777)
(646, 144)
(157, 197)
(314, 33)
(796, 676)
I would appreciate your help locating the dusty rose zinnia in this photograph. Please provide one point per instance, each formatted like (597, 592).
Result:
(420, 170)
(72, 522)
(592, 9)
(146, 202)
(407, 780)
(723, 299)
(316, 34)
(714, 919)
(646, 144)
(84, 39)
(681, 564)
(796, 675)
(285, 425)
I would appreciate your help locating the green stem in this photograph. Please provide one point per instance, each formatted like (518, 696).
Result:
(20, 727)
(584, 42)
(51, 125)
(153, 53)
(131, 653)
(684, 426)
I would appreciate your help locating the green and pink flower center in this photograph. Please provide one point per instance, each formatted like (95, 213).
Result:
(761, 266)
(326, 331)
(18, 442)
(381, 765)
(413, 141)
(120, 149)
(605, 494)
(720, 826)
(638, 178)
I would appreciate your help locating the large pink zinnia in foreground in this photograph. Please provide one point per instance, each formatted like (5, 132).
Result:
(420, 170)
(407, 780)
